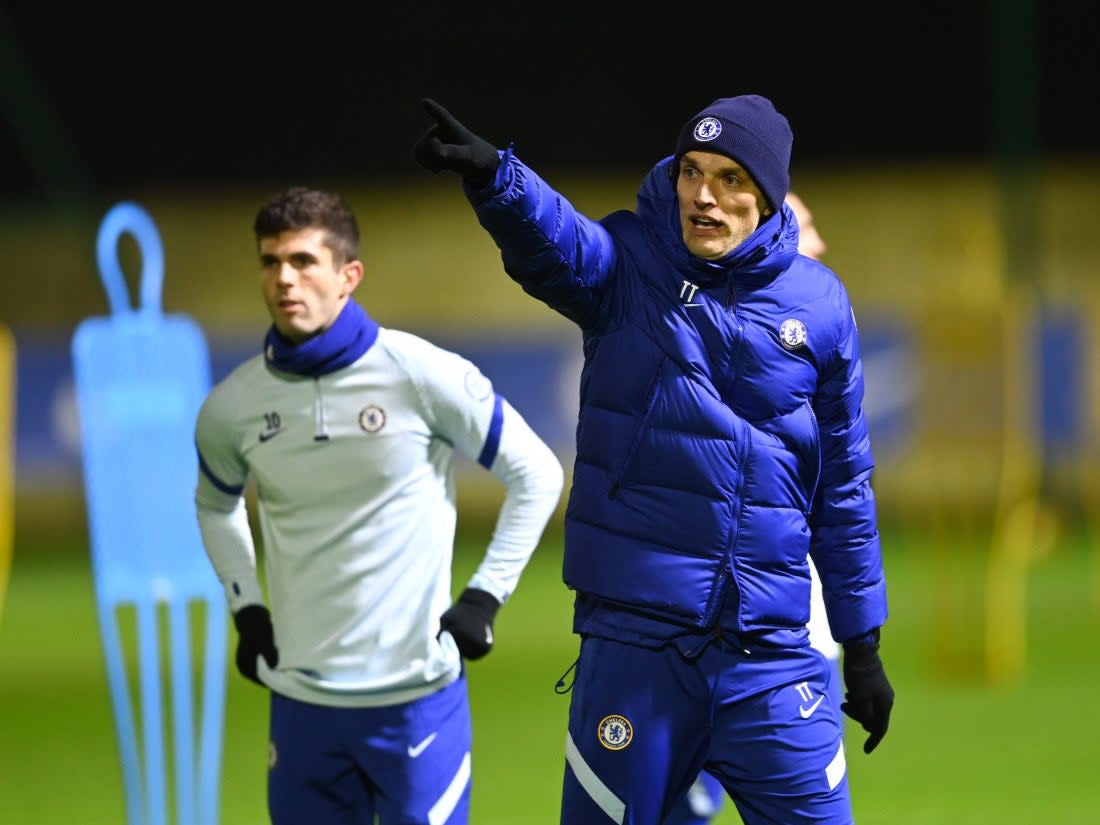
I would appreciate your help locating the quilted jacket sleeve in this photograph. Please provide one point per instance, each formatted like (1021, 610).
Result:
(845, 539)
(548, 247)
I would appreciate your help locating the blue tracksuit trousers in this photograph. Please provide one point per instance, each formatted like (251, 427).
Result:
(644, 721)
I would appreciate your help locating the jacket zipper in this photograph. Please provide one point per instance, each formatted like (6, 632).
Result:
(320, 426)
(817, 443)
(653, 393)
(742, 458)
(730, 580)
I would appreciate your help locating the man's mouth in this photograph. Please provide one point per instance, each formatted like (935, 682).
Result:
(701, 220)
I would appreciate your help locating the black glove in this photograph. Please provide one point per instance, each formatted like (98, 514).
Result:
(470, 622)
(256, 637)
(450, 145)
(869, 695)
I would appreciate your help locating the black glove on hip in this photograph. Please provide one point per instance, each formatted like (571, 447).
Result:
(869, 695)
(256, 637)
(450, 145)
(470, 622)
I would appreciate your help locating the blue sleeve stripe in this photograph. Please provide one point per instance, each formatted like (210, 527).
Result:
(492, 440)
(228, 489)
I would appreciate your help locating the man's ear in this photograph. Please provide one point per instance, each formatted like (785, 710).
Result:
(353, 274)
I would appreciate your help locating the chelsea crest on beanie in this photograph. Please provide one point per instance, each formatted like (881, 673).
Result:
(748, 129)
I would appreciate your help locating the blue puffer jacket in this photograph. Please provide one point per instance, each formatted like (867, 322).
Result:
(721, 435)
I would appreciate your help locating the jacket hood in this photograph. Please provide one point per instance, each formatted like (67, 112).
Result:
(757, 260)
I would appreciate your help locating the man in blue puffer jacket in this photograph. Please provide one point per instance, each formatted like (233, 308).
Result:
(720, 439)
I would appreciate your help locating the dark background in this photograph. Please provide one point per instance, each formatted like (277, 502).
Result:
(107, 95)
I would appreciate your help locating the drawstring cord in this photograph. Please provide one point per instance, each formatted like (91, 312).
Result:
(717, 635)
(561, 687)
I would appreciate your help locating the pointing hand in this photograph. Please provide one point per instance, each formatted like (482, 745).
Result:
(447, 144)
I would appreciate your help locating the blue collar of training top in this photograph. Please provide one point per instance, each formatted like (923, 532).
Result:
(350, 335)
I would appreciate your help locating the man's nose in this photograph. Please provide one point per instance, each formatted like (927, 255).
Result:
(287, 273)
(703, 194)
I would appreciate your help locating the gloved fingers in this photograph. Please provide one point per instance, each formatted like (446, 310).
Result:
(880, 716)
(470, 646)
(248, 666)
(874, 721)
(427, 150)
(472, 649)
(449, 127)
(265, 673)
(460, 643)
(857, 710)
(448, 155)
(436, 155)
(271, 656)
(873, 740)
(470, 622)
(259, 662)
(248, 662)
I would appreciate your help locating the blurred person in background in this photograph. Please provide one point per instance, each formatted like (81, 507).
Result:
(704, 798)
(810, 242)
(720, 439)
(349, 430)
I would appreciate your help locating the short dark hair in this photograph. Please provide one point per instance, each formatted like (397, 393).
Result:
(300, 207)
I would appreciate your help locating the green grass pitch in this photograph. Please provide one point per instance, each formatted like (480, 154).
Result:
(958, 750)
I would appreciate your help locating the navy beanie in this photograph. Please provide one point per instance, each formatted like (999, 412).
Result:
(749, 130)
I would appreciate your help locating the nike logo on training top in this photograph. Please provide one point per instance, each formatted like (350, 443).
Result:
(416, 750)
(807, 712)
(268, 436)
